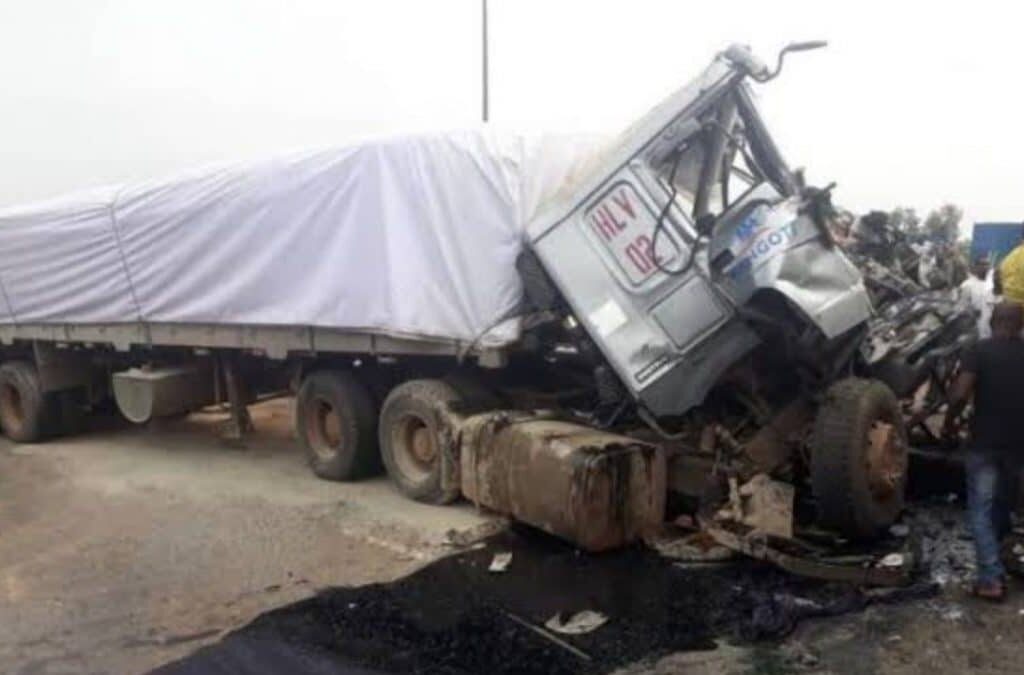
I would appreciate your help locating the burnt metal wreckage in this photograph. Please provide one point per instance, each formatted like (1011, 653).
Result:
(693, 341)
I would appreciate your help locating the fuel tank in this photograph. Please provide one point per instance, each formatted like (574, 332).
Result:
(597, 490)
(144, 394)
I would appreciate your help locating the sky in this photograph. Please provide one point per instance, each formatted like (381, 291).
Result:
(912, 104)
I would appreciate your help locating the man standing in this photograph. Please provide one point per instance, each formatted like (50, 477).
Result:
(992, 371)
(976, 292)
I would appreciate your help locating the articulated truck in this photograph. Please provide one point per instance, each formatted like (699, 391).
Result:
(567, 331)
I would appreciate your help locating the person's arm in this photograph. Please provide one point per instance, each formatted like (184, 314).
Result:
(997, 282)
(960, 392)
(959, 395)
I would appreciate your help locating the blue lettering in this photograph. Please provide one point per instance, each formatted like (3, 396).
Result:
(768, 243)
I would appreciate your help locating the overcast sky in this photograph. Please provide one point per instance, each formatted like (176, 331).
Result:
(908, 106)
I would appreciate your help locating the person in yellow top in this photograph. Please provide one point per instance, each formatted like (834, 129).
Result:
(1010, 277)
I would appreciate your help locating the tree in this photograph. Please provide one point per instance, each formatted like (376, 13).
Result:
(905, 219)
(944, 223)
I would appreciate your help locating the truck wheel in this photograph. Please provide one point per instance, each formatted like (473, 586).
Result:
(415, 429)
(27, 415)
(859, 458)
(336, 422)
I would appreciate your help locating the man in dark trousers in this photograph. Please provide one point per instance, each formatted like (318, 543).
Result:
(993, 371)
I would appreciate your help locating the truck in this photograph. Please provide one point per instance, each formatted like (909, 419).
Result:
(993, 241)
(584, 339)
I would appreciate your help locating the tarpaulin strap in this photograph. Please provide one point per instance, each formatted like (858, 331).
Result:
(7, 301)
(120, 253)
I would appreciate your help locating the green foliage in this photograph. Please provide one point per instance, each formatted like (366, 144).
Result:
(905, 219)
(944, 223)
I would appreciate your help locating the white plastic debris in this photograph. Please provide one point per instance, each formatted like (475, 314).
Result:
(577, 624)
(899, 530)
(953, 613)
(892, 560)
(500, 562)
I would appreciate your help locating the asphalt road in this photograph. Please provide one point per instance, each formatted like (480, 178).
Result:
(127, 547)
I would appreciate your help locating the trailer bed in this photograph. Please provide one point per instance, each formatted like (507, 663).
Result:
(275, 342)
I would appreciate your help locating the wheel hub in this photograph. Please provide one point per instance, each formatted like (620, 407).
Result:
(421, 443)
(323, 426)
(886, 459)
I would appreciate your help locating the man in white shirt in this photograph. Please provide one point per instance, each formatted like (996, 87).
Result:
(977, 293)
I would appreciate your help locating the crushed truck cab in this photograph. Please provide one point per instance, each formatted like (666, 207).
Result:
(667, 245)
(694, 274)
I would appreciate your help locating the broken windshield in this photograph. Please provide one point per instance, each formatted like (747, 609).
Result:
(729, 156)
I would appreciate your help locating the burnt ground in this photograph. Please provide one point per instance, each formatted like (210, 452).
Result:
(454, 616)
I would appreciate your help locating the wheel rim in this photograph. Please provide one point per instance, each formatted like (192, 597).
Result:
(12, 411)
(886, 459)
(323, 428)
(416, 447)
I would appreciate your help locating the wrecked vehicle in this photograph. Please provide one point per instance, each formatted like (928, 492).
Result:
(723, 317)
(674, 321)
(917, 334)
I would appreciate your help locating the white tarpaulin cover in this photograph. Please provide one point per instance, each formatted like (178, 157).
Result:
(413, 236)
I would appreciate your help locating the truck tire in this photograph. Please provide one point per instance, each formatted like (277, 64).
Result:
(27, 415)
(336, 422)
(859, 458)
(415, 429)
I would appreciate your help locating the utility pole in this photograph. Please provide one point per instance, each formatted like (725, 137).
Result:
(485, 63)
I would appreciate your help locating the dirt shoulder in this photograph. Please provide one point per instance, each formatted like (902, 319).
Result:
(125, 548)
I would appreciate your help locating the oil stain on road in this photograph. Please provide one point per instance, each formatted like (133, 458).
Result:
(455, 617)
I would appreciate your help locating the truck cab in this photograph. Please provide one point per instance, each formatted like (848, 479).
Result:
(701, 273)
(668, 248)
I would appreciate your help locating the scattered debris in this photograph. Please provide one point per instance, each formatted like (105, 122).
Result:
(579, 623)
(697, 548)
(900, 530)
(500, 562)
(797, 558)
(685, 522)
(892, 560)
(946, 549)
(798, 654)
(474, 535)
(762, 504)
(547, 634)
